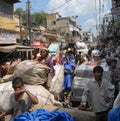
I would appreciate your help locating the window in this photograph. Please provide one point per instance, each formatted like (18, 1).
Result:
(53, 23)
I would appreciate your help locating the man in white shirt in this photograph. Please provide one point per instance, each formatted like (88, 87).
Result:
(99, 94)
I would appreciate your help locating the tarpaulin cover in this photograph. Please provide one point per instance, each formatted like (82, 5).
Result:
(53, 48)
(114, 114)
(8, 48)
(44, 115)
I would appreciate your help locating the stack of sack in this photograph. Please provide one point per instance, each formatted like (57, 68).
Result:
(35, 75)
(43, 95)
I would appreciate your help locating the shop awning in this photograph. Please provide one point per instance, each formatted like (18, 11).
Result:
(10, 48)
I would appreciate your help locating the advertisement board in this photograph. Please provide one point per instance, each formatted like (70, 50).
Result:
(7, 37)
(37, 44)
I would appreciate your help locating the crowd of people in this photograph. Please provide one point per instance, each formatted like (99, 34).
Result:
(102, 94)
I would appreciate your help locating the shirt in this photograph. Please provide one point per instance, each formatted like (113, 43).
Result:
(49, 62)
(96, 95)
(24, 105)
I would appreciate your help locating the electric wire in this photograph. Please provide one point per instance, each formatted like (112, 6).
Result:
(59, 6)
(52, 9)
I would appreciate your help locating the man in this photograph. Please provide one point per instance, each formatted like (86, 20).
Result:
(22, 99)
(100, 94)
(115, 75)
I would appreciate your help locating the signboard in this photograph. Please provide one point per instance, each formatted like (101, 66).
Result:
(6, 38)
(36, 43)
(116, 13)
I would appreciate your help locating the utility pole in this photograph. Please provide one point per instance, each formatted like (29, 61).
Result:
(20, 24)
(28, 23)
(99, 16)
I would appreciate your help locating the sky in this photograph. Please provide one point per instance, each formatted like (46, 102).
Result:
(88, 12)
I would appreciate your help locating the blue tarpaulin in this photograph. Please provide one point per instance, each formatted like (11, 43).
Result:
(44, 115)
(114, 114)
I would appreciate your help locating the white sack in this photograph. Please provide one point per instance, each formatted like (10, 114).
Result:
(5, 94)
(58, 79)
(43, 95)
(32, 72)
(86, 71)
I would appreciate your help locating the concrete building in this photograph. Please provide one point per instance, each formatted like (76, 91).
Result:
(51, 21)
(88, 37)
(65, 26)
(7, 23)
(107, 31)
(116, 20)
(9, 28)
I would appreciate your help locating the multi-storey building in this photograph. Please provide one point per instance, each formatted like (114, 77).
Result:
(7, 23)
(107, 32)
(116, 19)
(65, 26)
(88, 37)
(9, 29)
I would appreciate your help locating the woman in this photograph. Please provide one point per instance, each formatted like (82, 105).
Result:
(68, 73)
(47, 60)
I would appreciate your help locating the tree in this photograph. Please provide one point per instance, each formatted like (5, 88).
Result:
(23, 14)
(36, 18)
(40, 18)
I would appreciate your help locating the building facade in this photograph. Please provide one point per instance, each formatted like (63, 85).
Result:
(116, 20)
(65, 26)
(7, 23)
(107, 31)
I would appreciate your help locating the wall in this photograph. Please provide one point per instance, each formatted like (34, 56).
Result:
(51, 21)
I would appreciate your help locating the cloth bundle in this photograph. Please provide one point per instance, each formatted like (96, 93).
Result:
(44, 115)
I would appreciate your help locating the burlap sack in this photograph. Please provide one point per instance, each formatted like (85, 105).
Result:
(7, 78)
(79, 115)
(47, 107)
(32, 72)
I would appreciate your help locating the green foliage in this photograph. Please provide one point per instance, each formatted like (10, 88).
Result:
(39, 18)
(36, 18)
